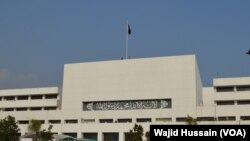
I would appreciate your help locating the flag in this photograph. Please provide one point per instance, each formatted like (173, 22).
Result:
(129, 30)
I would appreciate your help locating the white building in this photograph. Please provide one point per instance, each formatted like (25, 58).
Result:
(103, 100)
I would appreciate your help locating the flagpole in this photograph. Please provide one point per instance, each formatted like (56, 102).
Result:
(126, 40)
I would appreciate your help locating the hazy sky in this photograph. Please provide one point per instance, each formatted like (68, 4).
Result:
(37, 37)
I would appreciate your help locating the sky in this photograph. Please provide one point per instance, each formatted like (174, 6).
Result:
(37, 37)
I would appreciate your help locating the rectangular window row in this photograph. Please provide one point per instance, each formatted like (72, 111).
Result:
(28, 109)
(232, 88)
(27, 97)
(76, 121)
(106, 136)
(178, 119)
(231, 102)
(224, 118)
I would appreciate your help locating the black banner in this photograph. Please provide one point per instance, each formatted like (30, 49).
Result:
(215, 132)
(127, 105)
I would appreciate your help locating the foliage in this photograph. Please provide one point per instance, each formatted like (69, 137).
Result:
(35, 127)
(191, 121)
(147, 135)
(8, 129)
(135, 134)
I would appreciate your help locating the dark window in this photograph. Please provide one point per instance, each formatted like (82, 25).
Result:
(229, 118)
(225, 89)
(225, 102)
(49, 108)
(88, 120)
(0, 98)
(71, 121)
(124, 120)
(110, 136)
(23, 122)
(92, 136)
(163, 119)
(106, 120)
(21, 109)
(143, 120)
(243, 102)
(9, 98)
(8, 109)
(36, 109)
(42, 121)
(22, 97)
(245, 117)
(36, 97)
(181, 119)
(243, 88)
(51, 96)
(55, 121)
(206, 119)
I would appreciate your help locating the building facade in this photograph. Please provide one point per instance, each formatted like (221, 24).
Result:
(103, 100)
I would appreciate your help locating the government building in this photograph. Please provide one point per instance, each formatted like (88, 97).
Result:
(103, 100)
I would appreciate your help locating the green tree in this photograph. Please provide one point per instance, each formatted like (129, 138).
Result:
(46, 135)
(147, 135)
(135, 134)
(8, 129)
(191, 121)
(35, 128)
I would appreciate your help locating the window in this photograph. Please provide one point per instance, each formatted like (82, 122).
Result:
(55, 121)
(92, 136)
(181, 119)
(163, 119)
(21, 109)
(35, 108)
(8, 109)
(243, 88)
(206, 119)
(125, 120)
(225, 102)
(143, 120)
(22, 97)
(49, 108)
(36, 97)
(51, 96)
(111, 136)
(225, 89)
(243, 102)
(23, 122)
(9, 98)
(228, 118)
(70, 121)
(88, 120)
(0, 98)
(245, 117)
(42, 121)
(106, 120)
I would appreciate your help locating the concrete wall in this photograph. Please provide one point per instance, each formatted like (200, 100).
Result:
(150, 78)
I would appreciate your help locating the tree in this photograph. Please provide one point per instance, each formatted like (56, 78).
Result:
(46, 135)
(9, 129)
(35, 128)
(147, 135)
(135, 134)
(191, 121)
